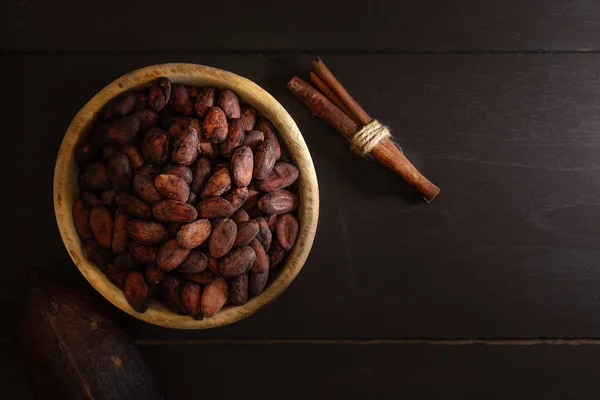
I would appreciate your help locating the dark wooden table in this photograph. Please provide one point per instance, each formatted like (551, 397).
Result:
(492, 291)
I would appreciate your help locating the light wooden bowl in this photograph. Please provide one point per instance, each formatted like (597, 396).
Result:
(66, 189)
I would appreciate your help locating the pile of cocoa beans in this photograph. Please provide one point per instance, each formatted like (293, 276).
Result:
(186, 195)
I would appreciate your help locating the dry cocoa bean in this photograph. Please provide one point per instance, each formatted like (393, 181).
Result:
(171, 292)
(144, 187)
(222, 238)
(109, 151)
(147, 232)
(126, 261)
(208, 149)
(81, 218)
(150, 169)
(192, 199)
(242, 163)
(266, 127)
(230, 104)
(185, 147)
(193, 234)
(119, 131)
(287, 230)
(238, 290)
(154, 275)
(171, 255)
(214, 297)
(201, 172)
(174, 211)
(134, 206)
(271, 221)
(90, 200)
(120, 239)
(204, 101)
(264, 235)
(215, 125)
(201, 278)
(108, 198)
(195, 263)
(276, 255)
(86, 153)
(119, 106)
(217, 184)
(279, 201)
(96, 176)
(252, 199)
(172, 187)
(237, 197)
(183, 120)
(258, 282)
(174, 228)
(264, 159)
(246, 232)
(134, 155)
(213, 265)
(148, 119)
(253, 139)
(96, 254)
(156, 146)
(142, 253)
(235, 137)
(261, 264)
(191, 294)
(116, 276)
(237, 262)
(180, 100)
(240, 216)
(119, 172)
(160, 94)
(248, 117)
(282, 175)
(181, 171)
(101, 223)
(193, 91)
(136, 291)
(255, 213)
(176, 130)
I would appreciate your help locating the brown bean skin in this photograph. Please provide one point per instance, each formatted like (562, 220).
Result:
(264, 159)
(215, 125)
(120, 131)
(246, 232)
(86, 153)
(240, 216)
(182, 171)
(180, 100)
(261, 264)
(156, 146)
(271, 221)
(195, 263)
(282, 176)
(126, 261)
(116, 276)
(148, 119)
(81, 218)
(286, 230)
(154, 274)
(144, 187)
(147, 232)
(202, 278)
(101, 223)
(258, 282)
(253, 139)
(217, 184)
(248, 117)
(134, 155)
(134, 206)
(160, 93)
(90, 200)
(201, 172)
(230, 104)
(252, 198)
(238, 261)
(194, 234)
(204, 101)
(142, 253)
(171, 255)
(119, 172)
(266, 127)
(242, 164)
(185, 147)
(172, 187)
(238, 290)
(95, 176)
(120, 239)
(191, 294)
(174, 211)
(235, 137)
(222, 238)
(214, 297)
(237, 197)
(279, 201)
(119, 106)
(276, 255)
(264, 235)
(150, 169)
(171, 292)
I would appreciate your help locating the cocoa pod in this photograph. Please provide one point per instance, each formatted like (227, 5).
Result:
(192, 199)
(215, 125)
(172, 187)
(148, 119)
(271, 221)
(195, 263)
(156, 146)
(150, 169)
(120, 240)
(240, 216)
(193, 234)
(201, 278)
(264, 235)
(174, 211)
(214, 297)
(266, 127)
(180, 100)
(201, 172)
(246, 232)
(119, 106)
(287, 230)
(136, 291)
(154, 275)
(109, 151)
(217, 184)
(261, 264)
(276, 255)
(119, 172)
(238, 290)
(86, 153)
(252, 199)
(279, 201)
(134, 206)
(253, 139)
(204, 101)
(160, 94)
(248, 117)
(181, 171)
(174, 228)
(222, 238)
(97, 254)
(144, 187)
(230, 104)
(237, 262)
(242, 163)
(90, 200)
(282, 176)
(101, 223)
(214, 207)
(264, 159)
(208, 149)
(185, 147)
(171, 292)
(171, 255)
(81, 219)
(176, 130)
(213, 265)
(126, 261)
(95, 176)
(116, 276)
(119, 131)
(258, 282)
(135, 157)
(142, 253)
(191, 293)
(147, 232)
(237, 197)
(235, 137)
(193, 91)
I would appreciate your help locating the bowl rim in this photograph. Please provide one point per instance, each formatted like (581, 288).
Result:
(65, 188)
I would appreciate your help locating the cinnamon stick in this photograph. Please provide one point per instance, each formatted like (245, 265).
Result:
(386, 152)
(322, 86)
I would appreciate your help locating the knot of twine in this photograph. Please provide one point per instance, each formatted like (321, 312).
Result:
(368, 137)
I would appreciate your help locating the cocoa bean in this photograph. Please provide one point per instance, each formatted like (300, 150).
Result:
(174, 211)
(96, 254)
(156, 146)
(276, 255)
(246, 232)
(109, 151)
(242, 163)
(238, 290)
(142, 253)
(171, 255)
(235, 137)
(201, 278)
(120, 239)
(148, 119)
(215, 125)
(264, 159)
(195, 263)
(176, 130)
(208, 149)
(119, 106)
(126, 261)
(282, 176)
(185, 147)
(230, 104)
(172, 187)
(271, 221)
(134, 206)
(261, 264)
(213, 265)
(181, 171)
(86, 153)
(95, 176)
(150, 169)
(201, 172)
(255, 213)
(154, 275)
(160, 94)
(237, 262)
(119, 172)
(108, 198)
(237, 197)
(214, 297)
(252, 199)
(266, 127)
(248, 117)
(116, 276)
(119, 131)
(287, 230)
(180, 100)
(174, 228)
(171, 292)
(101, 224)
(204, 101)
(81, 219)
(147, 232)
(253, 139)
(191, 294)
(258, 282)
(136, 291)
(222, 238)
(193, 91)
(134, 155)
(264, 235)
(144, 187)
(217, 184)
(279, 201)
(90, 200)
(193, 234)
(192, 199)
(240, 216)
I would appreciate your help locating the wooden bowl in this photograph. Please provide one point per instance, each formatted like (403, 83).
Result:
(66, 189)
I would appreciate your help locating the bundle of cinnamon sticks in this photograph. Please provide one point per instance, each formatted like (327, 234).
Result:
(341, 111)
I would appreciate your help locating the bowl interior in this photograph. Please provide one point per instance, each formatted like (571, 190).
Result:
(66, 189)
